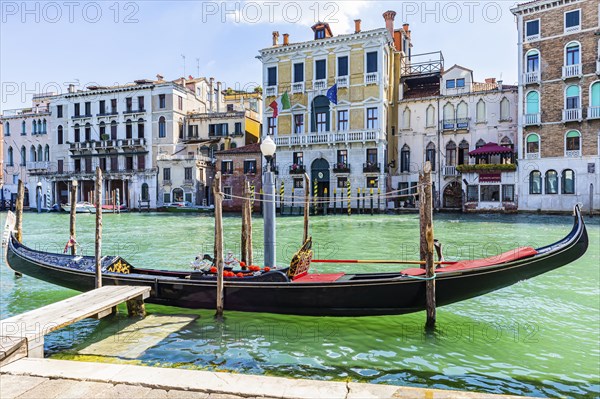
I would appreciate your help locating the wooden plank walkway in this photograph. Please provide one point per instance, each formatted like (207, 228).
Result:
(33, 325)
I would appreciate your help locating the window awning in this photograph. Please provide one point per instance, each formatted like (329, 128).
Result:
(490, 149)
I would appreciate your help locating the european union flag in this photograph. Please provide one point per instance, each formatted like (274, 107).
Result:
(332, 94)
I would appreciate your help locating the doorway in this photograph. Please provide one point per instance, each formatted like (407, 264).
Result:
(320, 174)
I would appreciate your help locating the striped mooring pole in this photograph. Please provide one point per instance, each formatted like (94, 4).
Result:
(48, 200)
(117, 196)
(315, 196)
(281, 194)
(349, 187)
(251, 197)
(292, 208)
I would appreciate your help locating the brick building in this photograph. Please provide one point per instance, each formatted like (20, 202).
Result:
(559, 104)
(238, 165)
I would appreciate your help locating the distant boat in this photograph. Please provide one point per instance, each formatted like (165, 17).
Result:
(80, 207)
(109, 208)
(187, 207)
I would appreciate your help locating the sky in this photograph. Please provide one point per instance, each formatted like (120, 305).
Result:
(44, 46)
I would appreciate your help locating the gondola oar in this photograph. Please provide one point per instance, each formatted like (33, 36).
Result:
(379, 261)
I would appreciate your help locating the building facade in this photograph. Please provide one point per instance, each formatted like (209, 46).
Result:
(238, 166)
(559, 104)
(443, 115)
(336, 144)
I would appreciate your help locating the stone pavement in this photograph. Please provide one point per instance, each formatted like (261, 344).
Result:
(48, 378)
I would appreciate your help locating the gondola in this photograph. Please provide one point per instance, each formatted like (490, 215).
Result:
(293, 290)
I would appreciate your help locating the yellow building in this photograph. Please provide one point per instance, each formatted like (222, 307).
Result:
(335, 143)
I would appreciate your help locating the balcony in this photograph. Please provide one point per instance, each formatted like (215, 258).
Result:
(130, 143)
(531, 78)
(342, 81)
(298, 87)
(341, 167)
(188, 182)
(131, 111)
(166, 182)
(532, 38)
(573, 153)
(371, 167)
(74, 146)
(107, 114)
(422, 64)
(456, 124)
(271, 91)
(38, 165)
(296, 169)
(571, 71)
(105, 144)
(593, 113)
(449, 170)
(320, 84)
(532, 119)
(77, 117)
(371, 78)
(572, 115)
(328, 138)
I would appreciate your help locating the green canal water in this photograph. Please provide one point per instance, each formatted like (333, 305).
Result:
(539, 337)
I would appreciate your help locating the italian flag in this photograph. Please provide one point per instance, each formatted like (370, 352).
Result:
(282, 102)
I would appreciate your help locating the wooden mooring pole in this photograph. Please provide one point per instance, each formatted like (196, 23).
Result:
(19, 210)
(426, 242)
(72, 215)
(98, 247)
(218, 199)
(306, 207)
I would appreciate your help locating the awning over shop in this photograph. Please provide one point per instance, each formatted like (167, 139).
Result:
(490, 149)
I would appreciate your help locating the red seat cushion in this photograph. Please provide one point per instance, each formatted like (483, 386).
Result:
(318, 278)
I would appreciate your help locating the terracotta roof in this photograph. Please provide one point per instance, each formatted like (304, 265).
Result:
(247, 149)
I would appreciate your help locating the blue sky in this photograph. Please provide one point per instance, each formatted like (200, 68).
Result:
(46, 45)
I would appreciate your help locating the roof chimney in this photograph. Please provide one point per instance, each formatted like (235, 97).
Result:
(275, 38)
(71, 88)
(357, 26)
(218, 96)
(211, 97)
(286, 39)
(500, 85)
(159, 77)
(389, 16)
(490, 80)
(405, 27)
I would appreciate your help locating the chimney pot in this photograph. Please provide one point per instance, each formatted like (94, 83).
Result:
(286, 39)
(275, 38)
(357, 25)
(389, 16)
(71, 88)
(405, 27)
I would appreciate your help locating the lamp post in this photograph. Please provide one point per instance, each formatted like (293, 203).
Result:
(39, 197)
(268, 147)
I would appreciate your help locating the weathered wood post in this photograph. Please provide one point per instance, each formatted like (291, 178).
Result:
(325, 202)
(371, 193)
(306, 207)
(358, 202)
(378, 200)
(72, 215)
(98, 247)
(218, 199)
(249, 202)
(19, 211)
(426, 242)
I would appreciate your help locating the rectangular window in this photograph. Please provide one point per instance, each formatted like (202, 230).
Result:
(88, 132)
(103, 164)
(489, 193)
(114, 163)
(342, 66)
(298, 158)
(572, 20)
(403, 191)
(227, 193)
(450, 84)
(128, 104)
(113, 106)
(140, 130)
(342, 158)
(272, 125)
(372, 62)
(140, 103)
(508, 192)
(372, 156)
(77, 165)
(533, 63)
(61, 166)
(59, 111)
(227, 167)
(102, 107)
(162, 102)
(88, 165)
(460, 82)
(472, 193)
(141, 162)
(229, 107)
(372, 182)
(372, 122)
(88, 108)
(573, 102)
(180, 102)
(272, 76)
(77, 135)
(299, 123)
(128, 130)
(532, 28)
(320, 69)
(187, 174)
(129, 163)
(573, 55)
(342, 182)
(250, 166)
(430, 156)
(321, 121)
(77, 109)
(167, 174)
(113, 131)
(166, 198)
(299, 72)
(343, 120)
(238, 128)
(298, 183)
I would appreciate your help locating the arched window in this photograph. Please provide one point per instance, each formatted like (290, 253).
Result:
(39, 126)
(47, 153)
(77, 134)
(480, 111)
(6, 129)
(320, 116)
(33, 127)
(532, 60)
(233, 145)
(573, 143)
(551, 182)
(23, 128)
(59, 135)
(532, 103)
(113, 129)
(568, 181)
(32, 154)
(480, 143)
(506, 142)
(180, 129)
(177, 195)
(11, 157)
(44, 127)
(406, 119)
(40, 153)
(102, 130)
(405, 159)
(430, 116)
(145, 192)
(594, 112)
(463, 152)
(23, 156)
(572, 54)
(129, 129)
(451, 153)
(505, 109)
(449, 119)
(462, 112)
(430, 154)
(572, 97)
(162, 127)
(535, 182)
(140, 128)
(88, 131)
(532, 148)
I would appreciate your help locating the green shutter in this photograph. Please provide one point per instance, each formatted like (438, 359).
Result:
(573, 133)
(573, 91)
(533, 103)
(532, 138)
(595, 93)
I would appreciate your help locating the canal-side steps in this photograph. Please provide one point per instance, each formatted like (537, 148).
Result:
(23, 335)
(50, 378)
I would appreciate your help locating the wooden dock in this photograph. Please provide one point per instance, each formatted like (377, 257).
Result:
(23, 335)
